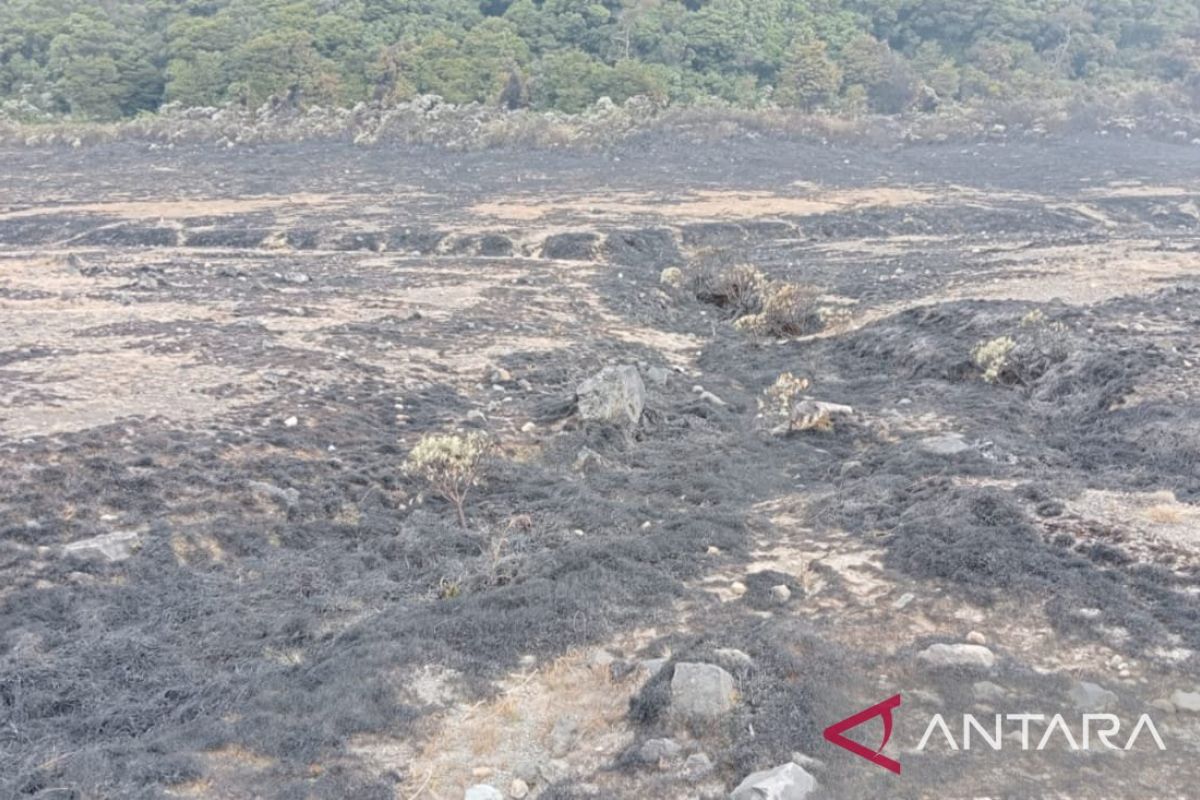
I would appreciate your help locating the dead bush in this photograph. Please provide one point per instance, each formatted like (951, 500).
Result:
(737, 289)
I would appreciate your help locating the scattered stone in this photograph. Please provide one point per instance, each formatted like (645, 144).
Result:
(711, 398)
(988, 692)
(115, 546)
(958, 655)
(701, 691)
(926, 698)
(658, 376)
(1164, 705)
(713, 550)
(291, 422)
(806, 761)
(1090, 697)
(615, 395)
(975, 637)
(528, 427)
(659, 751)
(733, 659)
(738, 588)
(780, 593)
(481, 772)
(903, 600)
(482, 791)
(672, 277)
(287, 498)
(554, 770)
(587, 460)
(948, 444)
(475, 415)
(498, 375)
(786, 782)
(697, 767)
(296, 277)
(1186, 701)
(518, 789)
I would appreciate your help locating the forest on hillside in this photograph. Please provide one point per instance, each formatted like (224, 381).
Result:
(120, 58)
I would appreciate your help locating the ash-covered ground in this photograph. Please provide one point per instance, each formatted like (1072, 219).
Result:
(216, 579)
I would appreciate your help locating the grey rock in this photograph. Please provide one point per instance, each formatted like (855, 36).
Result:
(615, 396)
(658, 376)
(786, 782)
(948, 444)
(657, 751)
(115, 546)
(285, 497)
(1186, 701)
(482, 791)
(518, 789)
(1090, 697)
(554, 770)
(1164, 705)
(701, 691)
(697, 767)
(806, 761)
(711, 398)
(958, 655)
(781, 593)
(296, 277)
(588, 460)
(988, 692)
(526, 771)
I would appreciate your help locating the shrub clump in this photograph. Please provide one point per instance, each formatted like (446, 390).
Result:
(992, 357)
(451, 464)
(737, 289)
(779, 397)
(761, 307)
(1027, 355)
(788, 309)
(671, 277)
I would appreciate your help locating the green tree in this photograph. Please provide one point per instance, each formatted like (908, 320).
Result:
(809, 77)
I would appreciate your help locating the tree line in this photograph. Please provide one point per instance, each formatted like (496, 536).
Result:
(119, 58)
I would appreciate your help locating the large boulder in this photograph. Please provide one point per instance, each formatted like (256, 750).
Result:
(701, 691)
(788, 782)
(116, 546)
(614, 395)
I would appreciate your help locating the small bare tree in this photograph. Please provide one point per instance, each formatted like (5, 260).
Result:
(451, 464)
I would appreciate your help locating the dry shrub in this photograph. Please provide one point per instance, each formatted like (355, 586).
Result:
(779, 397)
(790, 309)
(671, 277)
(992, 357)
(451, 464)
(1027, 355)
(737, 289)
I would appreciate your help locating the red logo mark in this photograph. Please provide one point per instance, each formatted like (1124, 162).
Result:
(834, 733)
